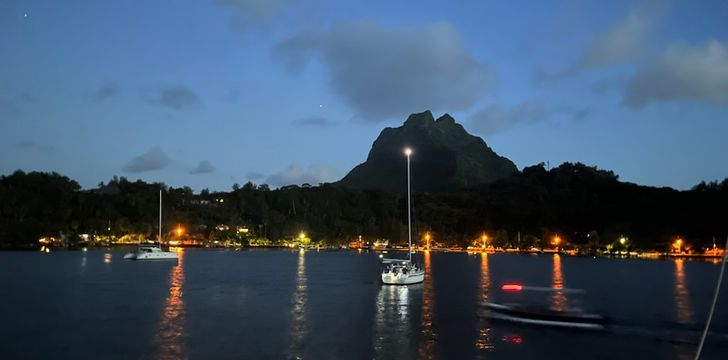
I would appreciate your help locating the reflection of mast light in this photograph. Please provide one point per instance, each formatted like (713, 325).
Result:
(429, 336)
(482, 342)
(682, 301)
(298, 314)
(171, 328)
(392, 321)
(558, 298)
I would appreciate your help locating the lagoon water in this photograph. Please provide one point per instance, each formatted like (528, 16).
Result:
(217, 304)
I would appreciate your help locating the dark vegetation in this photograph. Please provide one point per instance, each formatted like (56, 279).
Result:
(585, 206)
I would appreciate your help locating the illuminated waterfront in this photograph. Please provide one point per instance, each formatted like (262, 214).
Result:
(330, 305)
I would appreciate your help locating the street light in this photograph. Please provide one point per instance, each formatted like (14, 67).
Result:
(623, 240)
(485, 238)
(678, 244)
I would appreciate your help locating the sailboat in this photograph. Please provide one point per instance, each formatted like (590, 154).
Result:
(403, 271)
(152, 250)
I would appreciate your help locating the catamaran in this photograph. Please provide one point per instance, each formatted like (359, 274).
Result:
(152, 250)
(403, 271)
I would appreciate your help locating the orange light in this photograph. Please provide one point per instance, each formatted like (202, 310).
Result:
(512, 287)
(179, 231)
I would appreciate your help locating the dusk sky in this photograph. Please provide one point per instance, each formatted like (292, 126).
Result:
(208, 93)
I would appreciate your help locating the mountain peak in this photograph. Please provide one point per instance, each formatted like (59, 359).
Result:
(424, 118)
(445, 156)
(445, 119)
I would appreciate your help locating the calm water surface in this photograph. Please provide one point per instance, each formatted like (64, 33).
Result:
(330, 305)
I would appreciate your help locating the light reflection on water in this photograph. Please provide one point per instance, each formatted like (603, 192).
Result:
(171, 328)
(298, 312)
(682, 301)
(392, 323)
(558, 298)
(428, 334)
(483, 341)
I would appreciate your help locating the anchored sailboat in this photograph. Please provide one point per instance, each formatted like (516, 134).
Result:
(152, 250)
(403, 271)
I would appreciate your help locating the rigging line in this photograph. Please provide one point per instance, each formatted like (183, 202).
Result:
(724, 257)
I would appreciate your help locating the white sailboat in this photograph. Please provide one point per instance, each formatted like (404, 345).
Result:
(152, 250)
(403, 271)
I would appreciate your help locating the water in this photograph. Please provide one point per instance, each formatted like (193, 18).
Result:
(330, 305)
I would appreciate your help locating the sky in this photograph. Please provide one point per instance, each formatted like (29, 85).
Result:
(208, 93)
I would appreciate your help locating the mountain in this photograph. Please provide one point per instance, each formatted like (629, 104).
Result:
(445, 157)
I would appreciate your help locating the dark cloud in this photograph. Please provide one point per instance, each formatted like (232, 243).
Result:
(609, 84)
(263, 14)
(106, 91)
(254, 176)
(153, 159)
(204, 167)
(389, 72)
(315, 121)
(494, 118)
(29, 97)
(297, 174)
(682, 73)
(176, 97)
(621, 42)
(32, 145)
(259, 10)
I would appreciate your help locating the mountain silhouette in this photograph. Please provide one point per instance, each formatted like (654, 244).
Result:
(444, 157)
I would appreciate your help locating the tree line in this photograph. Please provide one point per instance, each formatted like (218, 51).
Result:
(585, 206)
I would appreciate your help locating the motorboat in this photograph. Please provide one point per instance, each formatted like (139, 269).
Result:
(572, 318)
(403, 271)
(542, 315)
(152, 250)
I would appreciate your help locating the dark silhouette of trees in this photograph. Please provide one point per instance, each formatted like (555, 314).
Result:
(585, 206)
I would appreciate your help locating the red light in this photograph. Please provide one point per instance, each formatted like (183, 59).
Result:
(512, 287)
(515, 339)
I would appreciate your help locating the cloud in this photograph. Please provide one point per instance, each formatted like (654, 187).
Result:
(621, 42)
(296, 174)
(32, 145)
(390, 72)
(494, 118)
(682, 73)
(253, 176)
(258, 10)
(176, 97)
(204, 167)
(153, 159)
(259, 14)
(315, 121)
(105, 92)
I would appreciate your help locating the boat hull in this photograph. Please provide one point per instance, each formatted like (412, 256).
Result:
(544, 318)
(162, 255)
(130, 256)
(403, 279)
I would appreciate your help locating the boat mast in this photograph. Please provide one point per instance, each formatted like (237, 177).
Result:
(408, 152)
(159, 238)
